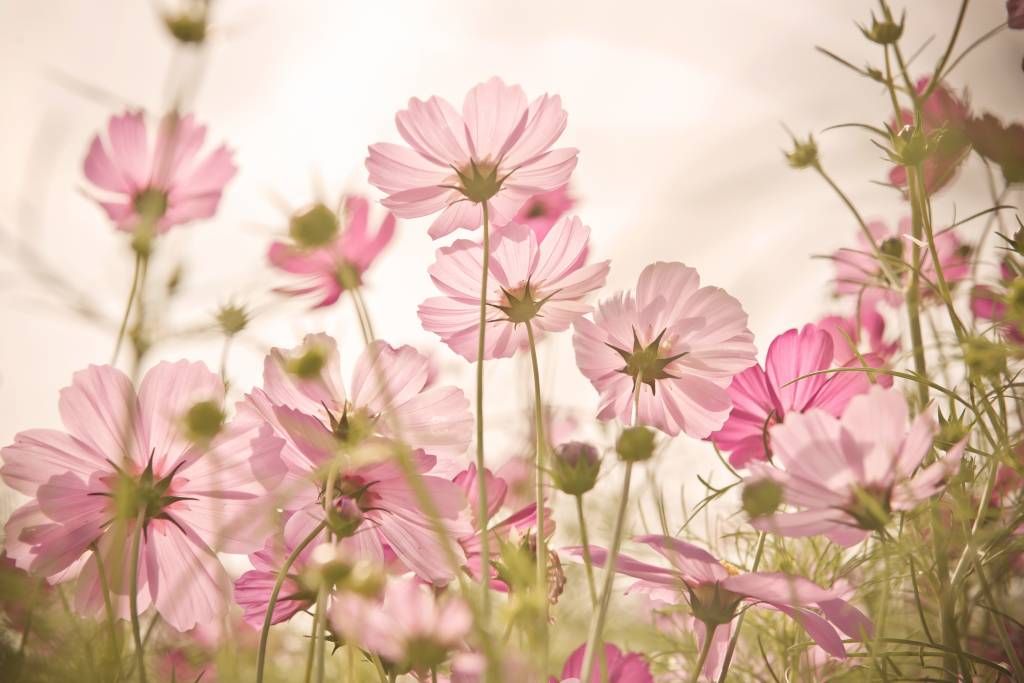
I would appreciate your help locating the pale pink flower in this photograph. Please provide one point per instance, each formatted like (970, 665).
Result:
(540, 281)
(542, 211)
(123, 451)
(327, 259)
(676, 343)
(304, 402)
(858, 271)
(860, 337)
(847, 474)
(765, 397)
(164, 180)
(716, 591)
(991, 303)
(410, 628)
(498, 151)
(620, 667)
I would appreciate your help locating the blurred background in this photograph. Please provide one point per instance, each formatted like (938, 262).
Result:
(677, 108)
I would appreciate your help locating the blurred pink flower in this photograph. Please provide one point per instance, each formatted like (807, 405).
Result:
(762, 398)
(1015, 13)
(847, 474)
(541, 281)
(350, 250)
(861, 337)
(168, 183)
(621, 667)
(858, 272)
(676, 343)
(498, 151)
(303, 401)
(990, 303)
(1001, 144)
(126, 451)
(543, 210)
(410, 628)
(715, 592)
(941, 111)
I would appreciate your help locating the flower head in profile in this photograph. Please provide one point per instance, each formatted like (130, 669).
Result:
(372, 507)
(540, 281)
(409, 627)
(860, 273)
(672, 342)
(846, 475)
(621, 667)
(330, 252)
(715, 593)
(161, 179)
(160, 458)
(495, 153)
(942, 112)
(542, 211)
(765, 397)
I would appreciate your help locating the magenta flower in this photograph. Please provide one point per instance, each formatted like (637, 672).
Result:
(328, 255)
(543, 210)
(943, 111)
(303, 401)
(410, 628)
(859, 273)
(762, 398)
(715, 591)
(497, 151)
(675, 343)
(620, 667)
(126, 457)
(542, 282)
(168, 183)
(847, 474)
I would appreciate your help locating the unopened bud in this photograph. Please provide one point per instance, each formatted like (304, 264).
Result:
(344, 517)
(883, 32)
(804, 154)
(985, 357)
(635, 444)
(574, 467)
(952, 429)
(761, 497)
(203, 421)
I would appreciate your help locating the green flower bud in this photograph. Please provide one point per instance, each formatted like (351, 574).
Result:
(911, 146)
(187, 27)
(344, 517)
(952, 429)
(761, 497)
(985, 357)
(804, 154)
(883, 32)
(574, 467)
(203, 421)
(635, 444)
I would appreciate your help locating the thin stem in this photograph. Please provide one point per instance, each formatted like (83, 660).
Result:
(705, 650)
(108, 606)
(485, 550)
(937, 76)
(311, 651)
(588, 563)
(133, 597)
(127, 308)
(281, 576)
(1010, 649)
(319, 641)
(541, 447)
(758, 554)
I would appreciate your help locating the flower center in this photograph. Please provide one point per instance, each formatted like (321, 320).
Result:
(537, 209)
(313, 227)
(142, 495)
(645, 364)
(870, 506)
(712, 604)
(479, 181)
(150, 203)
(520, 304)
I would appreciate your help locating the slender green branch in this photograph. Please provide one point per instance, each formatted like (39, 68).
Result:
(542, 550)
(133, 596)
(482, 510)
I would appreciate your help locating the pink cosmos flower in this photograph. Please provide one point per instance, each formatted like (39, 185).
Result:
(621, 667)
(858, 272)
(498, 151)
(992, 303)
(675, 343)
(943, 110)
(168, 183)
(410, 628)
(861, 336)
(303, 401)
(1001, 144)
(715, 591)
(543, 210)
(325, 254)
(127, 456)
(847, 474)
(765, 397)
(540, 281)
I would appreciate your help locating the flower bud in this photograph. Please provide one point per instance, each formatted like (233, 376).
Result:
(761, 497)
(635, 444)
(203, 421)
(804, 154)
(308, 364)
(910, 146)
(984, 357)
(344, 517)
(574, 467)
(314, 227)
(952, 429)
(883, 32)
(188, 28)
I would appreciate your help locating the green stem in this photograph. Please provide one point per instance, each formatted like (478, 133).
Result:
(319, 641)
(311, 651)
(937, 76)
(588, 563)
(281, 576)
(133, 597)
(541, 447)
(705, 650)
(127, 308)
(108, 606)
(1004, 639)
(758, 554)
(485, 550)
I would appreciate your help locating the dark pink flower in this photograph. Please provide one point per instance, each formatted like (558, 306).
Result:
(339, 254)
(497, 151)
(1015, 13)
(1002, 145)
(543, 210)
(620, 667)
(131, 451)
(165, 180)
(765, 397)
